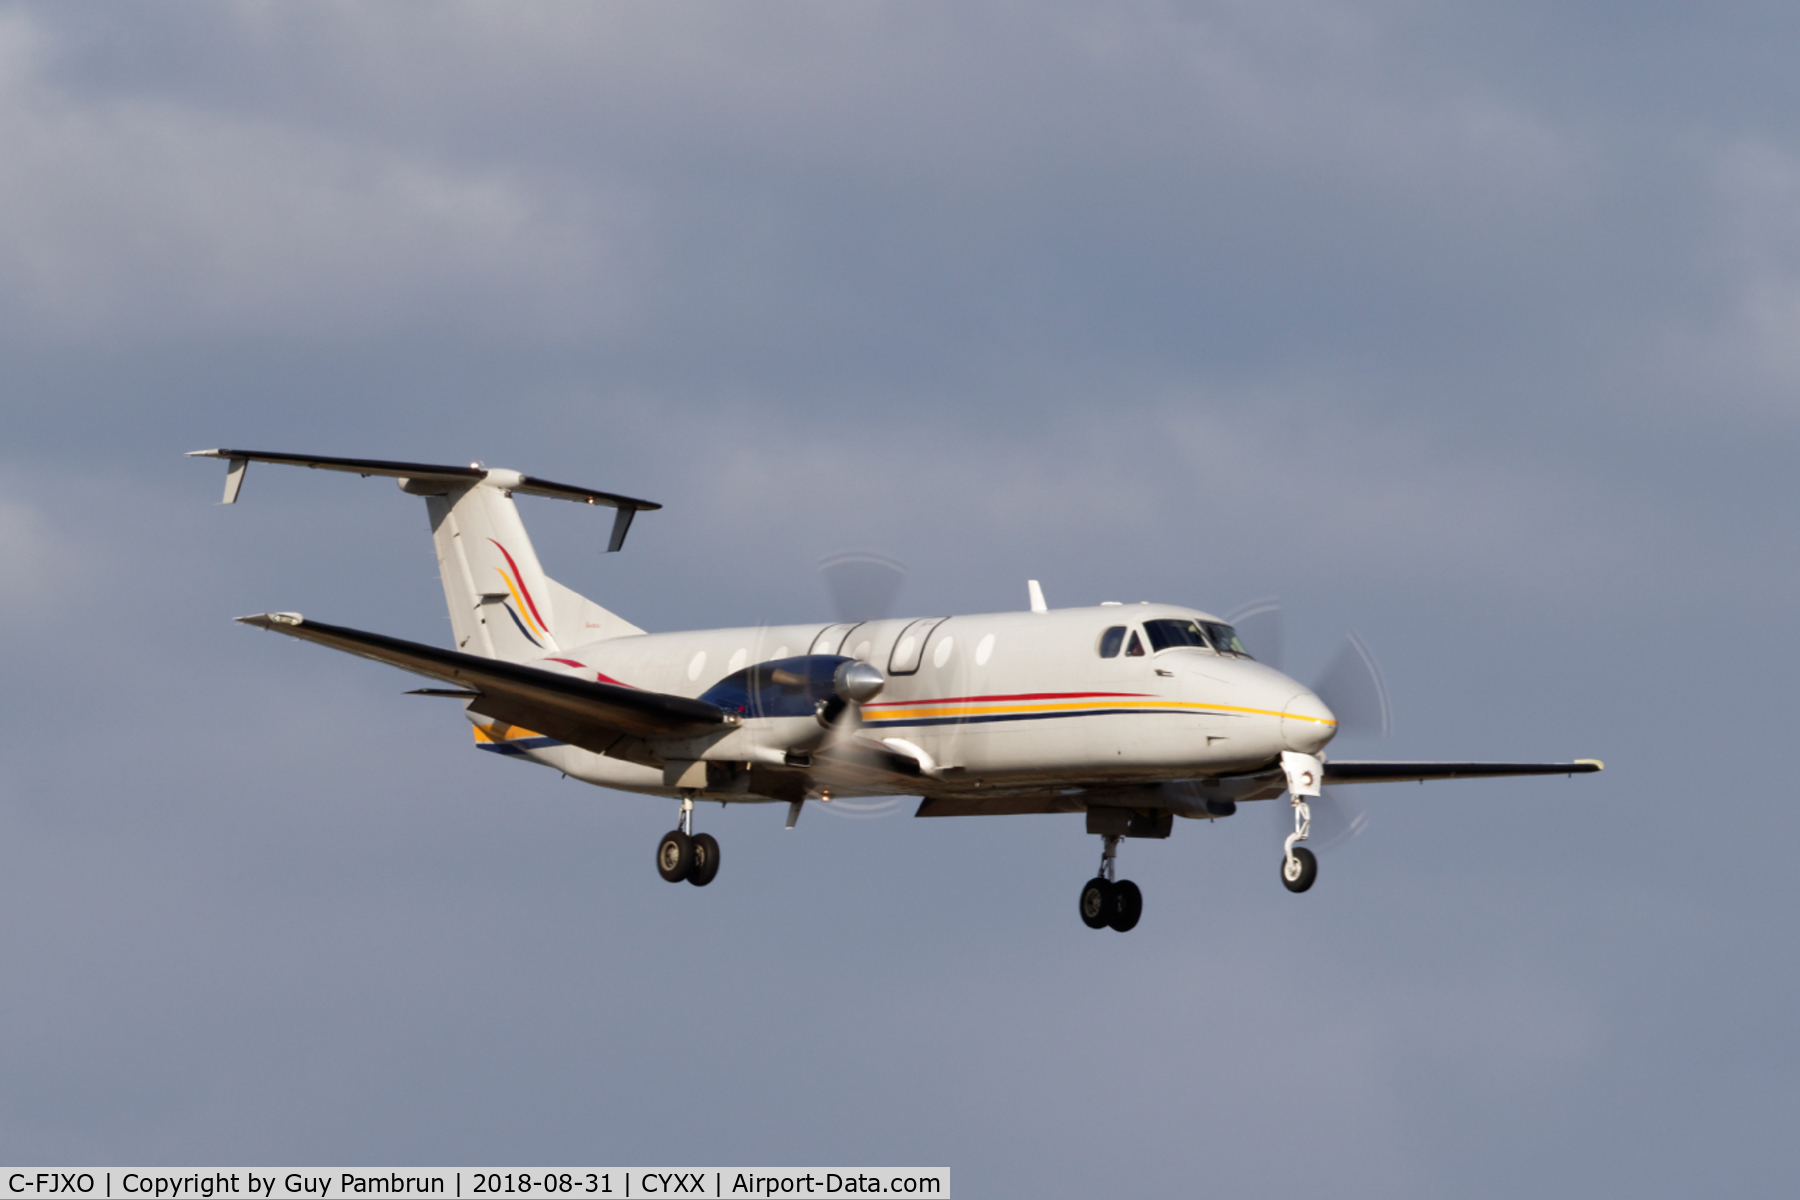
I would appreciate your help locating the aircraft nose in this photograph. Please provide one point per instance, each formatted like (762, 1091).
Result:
(1306, 724)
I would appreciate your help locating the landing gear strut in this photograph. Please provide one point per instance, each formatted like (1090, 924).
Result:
(684, 854)
(1298, 866)
(1106, 903)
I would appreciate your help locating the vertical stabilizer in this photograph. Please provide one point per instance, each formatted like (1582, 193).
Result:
(500, 600)
(502, 605)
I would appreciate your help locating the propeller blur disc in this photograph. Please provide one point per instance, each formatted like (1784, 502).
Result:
(863, 584)
(1335, 820)
(1352, 688)
(1258, 623)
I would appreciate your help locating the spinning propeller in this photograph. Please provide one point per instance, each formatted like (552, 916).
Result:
(1351, 687)
(863, 587)
(863, 584)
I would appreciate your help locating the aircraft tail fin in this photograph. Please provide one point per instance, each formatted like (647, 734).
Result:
(502, 604)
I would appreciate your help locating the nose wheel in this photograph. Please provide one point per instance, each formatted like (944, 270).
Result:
(1106, 904)
(1299, 869)
(684, 854)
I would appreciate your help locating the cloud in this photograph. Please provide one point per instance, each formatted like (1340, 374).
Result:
(143, 217)
(38, 566)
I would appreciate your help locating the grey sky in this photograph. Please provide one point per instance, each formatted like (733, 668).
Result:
(1475, 328)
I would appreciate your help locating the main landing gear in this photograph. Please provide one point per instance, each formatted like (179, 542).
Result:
(684, 854)
(1106, 904)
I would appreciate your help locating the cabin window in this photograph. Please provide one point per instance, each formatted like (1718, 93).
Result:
(1111, 641)
(1135, 649)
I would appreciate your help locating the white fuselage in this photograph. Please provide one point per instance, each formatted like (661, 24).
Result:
(1004, 700)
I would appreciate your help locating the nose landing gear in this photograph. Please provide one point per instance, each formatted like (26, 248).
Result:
(1298, 866)
(1108, 904)
(684, 854)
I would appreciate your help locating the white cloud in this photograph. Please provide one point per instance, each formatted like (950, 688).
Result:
(145, 217)
(36, 565)
(1756, 345)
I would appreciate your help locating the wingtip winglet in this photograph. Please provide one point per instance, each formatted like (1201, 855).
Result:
(1593, 764)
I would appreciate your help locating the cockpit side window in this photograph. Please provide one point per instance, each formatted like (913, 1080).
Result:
(1111, 640)
(1225, 638)
(1135, 649)
(1168, 635)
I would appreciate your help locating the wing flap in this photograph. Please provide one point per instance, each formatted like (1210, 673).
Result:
(1409, 772)
(595, 716)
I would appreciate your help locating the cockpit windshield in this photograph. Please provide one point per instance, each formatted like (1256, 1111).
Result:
(1170, 634)
(1225, 639)
(1167, 635)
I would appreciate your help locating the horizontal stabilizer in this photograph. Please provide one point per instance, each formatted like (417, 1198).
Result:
(1408, 772)
(583, 713)
(428, 474)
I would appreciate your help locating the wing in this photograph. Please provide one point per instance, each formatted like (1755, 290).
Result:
(595, 716)
(1407, 772)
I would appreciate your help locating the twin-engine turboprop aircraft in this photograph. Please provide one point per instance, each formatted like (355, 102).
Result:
(1132, 715)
